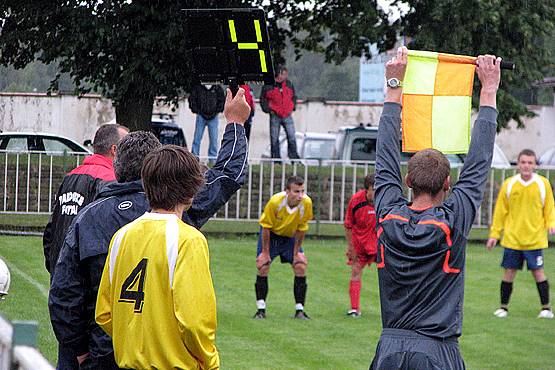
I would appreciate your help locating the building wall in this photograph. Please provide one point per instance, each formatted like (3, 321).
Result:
(78, 118)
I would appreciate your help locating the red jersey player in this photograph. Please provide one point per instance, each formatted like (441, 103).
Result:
(360, 232)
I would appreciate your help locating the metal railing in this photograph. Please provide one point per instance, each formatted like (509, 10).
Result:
(17, 347)
(30, 181)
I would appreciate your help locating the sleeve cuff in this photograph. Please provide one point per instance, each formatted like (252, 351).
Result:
(391, 109)
(234, 126)
(487, 113)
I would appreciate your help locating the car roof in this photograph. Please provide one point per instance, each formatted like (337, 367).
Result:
(29, 133)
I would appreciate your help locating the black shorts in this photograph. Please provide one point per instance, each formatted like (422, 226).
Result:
(408, 350)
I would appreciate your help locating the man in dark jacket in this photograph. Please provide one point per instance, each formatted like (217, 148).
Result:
(74, 289)
(79, 188)
(422, 244)
(279, 100)
(206, 101)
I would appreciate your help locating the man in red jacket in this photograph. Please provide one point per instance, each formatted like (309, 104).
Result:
(279, 100)
(360, 232)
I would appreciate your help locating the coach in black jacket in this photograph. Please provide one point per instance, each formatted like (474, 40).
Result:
(74, 288)
(79, 188)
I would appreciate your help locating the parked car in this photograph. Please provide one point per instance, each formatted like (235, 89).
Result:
(359, 144)
(167, 130)
(40, 142)
(548, 158)
(348, 144)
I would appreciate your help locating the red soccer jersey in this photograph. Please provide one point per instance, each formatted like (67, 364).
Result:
(361, 219)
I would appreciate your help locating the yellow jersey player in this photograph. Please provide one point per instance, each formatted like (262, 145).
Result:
(524, 213)
(283, 225)
(156, 299)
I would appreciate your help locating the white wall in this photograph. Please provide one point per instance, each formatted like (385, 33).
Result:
(79, 118)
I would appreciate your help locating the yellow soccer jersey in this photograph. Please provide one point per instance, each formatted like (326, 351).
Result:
(523, 212)
(156, 299)
(282, 219)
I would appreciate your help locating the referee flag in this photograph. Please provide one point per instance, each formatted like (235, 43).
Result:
(437, 99)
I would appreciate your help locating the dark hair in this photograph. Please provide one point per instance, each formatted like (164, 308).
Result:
(297, 180)
(427, 171)
(106, 136)
(171, 176)
(527, 152)
(369, 181)
(130, 153)
(280, 68)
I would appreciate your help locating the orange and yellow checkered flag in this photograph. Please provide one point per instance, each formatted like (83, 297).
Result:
(437, 101)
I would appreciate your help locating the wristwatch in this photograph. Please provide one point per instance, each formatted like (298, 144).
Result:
(394, 83)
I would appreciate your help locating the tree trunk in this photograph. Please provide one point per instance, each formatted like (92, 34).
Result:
(135, 111)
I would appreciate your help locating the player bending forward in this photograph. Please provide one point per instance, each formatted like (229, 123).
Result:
(283, 225)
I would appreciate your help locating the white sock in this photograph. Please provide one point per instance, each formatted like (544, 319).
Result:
(260, 304)
(299, 307)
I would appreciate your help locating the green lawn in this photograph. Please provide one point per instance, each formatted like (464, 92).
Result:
(330, 340)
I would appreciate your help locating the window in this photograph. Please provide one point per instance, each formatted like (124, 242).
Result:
(364, 149)
(319, 149)
(54, 145)
(17, 144)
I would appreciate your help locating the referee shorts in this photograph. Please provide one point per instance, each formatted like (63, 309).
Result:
(408, 350)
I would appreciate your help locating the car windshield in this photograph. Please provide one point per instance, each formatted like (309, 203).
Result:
(319, 148)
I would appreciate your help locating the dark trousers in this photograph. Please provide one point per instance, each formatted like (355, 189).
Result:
(247, 126)
(275, 123)
(67, 360)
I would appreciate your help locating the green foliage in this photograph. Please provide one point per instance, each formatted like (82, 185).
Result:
(330, 340)
(132, 51)
(519, 31)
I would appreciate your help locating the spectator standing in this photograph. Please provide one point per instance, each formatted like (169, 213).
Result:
(206, 101)
(279, 100)
(524, 213)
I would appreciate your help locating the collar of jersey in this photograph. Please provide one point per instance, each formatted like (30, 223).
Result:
(159, 216)
(526, 183)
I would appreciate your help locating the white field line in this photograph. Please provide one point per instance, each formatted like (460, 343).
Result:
(41, 288)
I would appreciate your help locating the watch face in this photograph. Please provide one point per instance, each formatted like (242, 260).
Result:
(393, 82)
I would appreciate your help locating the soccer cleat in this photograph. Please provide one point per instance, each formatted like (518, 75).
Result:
(301, 315)
(501, 312)
(353, 313)
(545, 314)
(260, 314)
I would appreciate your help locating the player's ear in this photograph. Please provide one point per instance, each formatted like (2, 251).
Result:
(447, 183)
(407, 181)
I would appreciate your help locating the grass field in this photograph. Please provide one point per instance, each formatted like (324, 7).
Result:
(330, 340)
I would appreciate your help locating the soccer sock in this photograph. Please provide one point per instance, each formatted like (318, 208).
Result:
(354, 292)
(506, 290)
(261, 288)
(299, 289)
(543, 289)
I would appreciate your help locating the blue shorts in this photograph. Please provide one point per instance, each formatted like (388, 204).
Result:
(514, 259)
(282, 246)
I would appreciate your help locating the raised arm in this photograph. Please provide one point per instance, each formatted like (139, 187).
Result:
(228, 174)
(468, 192)
(388, 186)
